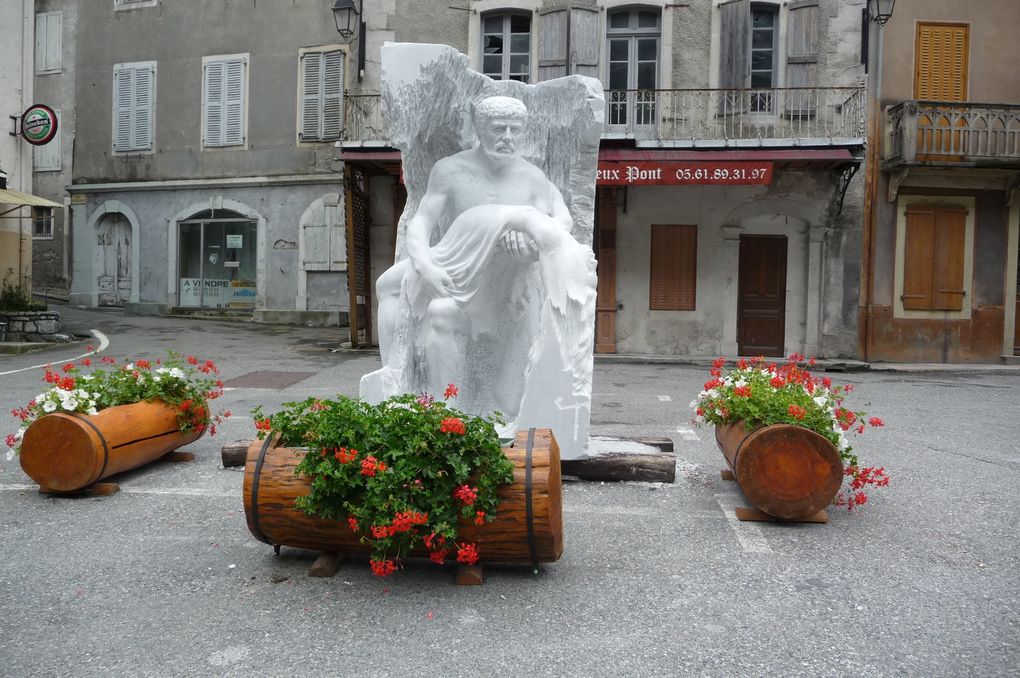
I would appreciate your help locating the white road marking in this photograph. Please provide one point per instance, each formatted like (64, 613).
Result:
(750, 536)
(103, 343)
(606, 510)
(665, 399)
(687, 433)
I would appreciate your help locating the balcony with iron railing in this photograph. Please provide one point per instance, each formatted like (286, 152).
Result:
(691, 118)
(955, 134)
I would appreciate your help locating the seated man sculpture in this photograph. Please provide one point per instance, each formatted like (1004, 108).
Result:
(491, 280)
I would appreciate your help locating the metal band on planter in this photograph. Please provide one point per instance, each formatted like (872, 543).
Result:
(528, 508)
(256, 528)
(102, 439)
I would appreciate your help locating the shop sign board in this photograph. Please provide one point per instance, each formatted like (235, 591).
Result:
(216, 293)
(651, 172)
(235, 241)
(38, 124)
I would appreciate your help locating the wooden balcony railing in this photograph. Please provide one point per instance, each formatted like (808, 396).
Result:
(937, 132)
(693, 118)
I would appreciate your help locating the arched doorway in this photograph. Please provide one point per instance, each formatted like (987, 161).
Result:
(217, 264)
(113, 254)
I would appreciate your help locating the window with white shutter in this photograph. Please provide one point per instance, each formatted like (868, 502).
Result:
(48, 27)
(323, 244)
(133, 4)
(134, 100)
(322, 88)
(47, 157)
(224, 100)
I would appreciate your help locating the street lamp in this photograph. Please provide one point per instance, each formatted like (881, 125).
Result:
(345, 15)
(879, 10)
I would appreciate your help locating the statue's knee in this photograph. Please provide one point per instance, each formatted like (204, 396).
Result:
(443, 315)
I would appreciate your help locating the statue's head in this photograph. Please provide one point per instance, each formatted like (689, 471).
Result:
(499, 122)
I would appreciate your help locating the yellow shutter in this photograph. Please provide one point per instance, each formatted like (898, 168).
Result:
(940, 62)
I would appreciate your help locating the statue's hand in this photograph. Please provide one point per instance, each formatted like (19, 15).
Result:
(437, 280)
(519, 246)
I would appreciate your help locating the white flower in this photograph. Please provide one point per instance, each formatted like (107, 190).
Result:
(92, 410)
(820, 400)
(712, 393)
(85, 377)
(69, 404)
(10, 454)
(694, 403)
(49, 406)
(740, 383)
(129, 366)
(843, 443)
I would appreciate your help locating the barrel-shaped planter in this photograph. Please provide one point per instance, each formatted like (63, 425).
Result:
(528, 527)
(67, 451)
(786, 471)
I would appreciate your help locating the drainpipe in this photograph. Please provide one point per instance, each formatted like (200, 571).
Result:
(871, 186)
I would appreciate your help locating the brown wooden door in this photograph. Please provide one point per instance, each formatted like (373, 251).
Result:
(761, 295)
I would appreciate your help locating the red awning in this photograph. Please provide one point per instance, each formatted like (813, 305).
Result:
(794, 155)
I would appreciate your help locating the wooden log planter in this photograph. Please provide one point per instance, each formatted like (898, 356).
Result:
(528, 528)
(68, 451)
(786, 471)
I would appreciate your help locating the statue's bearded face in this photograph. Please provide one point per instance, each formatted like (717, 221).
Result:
(499, 137)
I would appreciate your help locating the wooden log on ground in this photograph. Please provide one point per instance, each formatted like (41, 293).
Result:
(616, 459)
(529, 520)
(66, 451)
(786, 471)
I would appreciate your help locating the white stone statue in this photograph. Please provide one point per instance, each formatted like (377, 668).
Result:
(491, 291)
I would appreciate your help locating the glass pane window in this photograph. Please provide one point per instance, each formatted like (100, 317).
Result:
(217, 261)
(763, 44)
(506, 46)
(633, 47)
(42, 222)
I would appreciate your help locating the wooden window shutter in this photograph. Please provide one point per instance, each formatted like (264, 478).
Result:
(47, 156)
(673, 268)
(337, 236)
(123, 79)
(332, 94)
(141, 104)
(584, 41)
(552, 43)
(802, 56)
(941, 62)
(311, 97)
(918, 258)
(734, 44)
(48, 36)
(950, 232)
(213, 96)
(233, 119)
(933, 262)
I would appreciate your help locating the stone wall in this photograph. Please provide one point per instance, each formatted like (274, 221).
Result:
(32, 326)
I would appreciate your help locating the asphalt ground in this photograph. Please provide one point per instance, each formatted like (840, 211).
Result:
(164, 579)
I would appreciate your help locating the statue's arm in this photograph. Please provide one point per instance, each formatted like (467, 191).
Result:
(419, 232)
(560, 212)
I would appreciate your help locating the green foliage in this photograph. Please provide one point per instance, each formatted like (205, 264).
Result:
(17, 297)
(395, 471)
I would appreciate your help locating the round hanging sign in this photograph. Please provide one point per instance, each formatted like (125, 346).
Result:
(39, 124)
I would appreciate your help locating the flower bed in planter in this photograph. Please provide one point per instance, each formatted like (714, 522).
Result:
(784, 435)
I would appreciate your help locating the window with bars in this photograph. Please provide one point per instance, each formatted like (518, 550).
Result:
(42, 222)
(48, 39)
(224, 100)
(322, 88)
(506, 46)
(134, 98)
(673, 268)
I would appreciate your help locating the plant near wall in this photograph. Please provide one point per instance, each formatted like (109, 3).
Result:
(404, 472)
(760, 393)
(17, 297)
(185, 383)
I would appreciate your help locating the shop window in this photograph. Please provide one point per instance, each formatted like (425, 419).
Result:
(217, 260)
(673, 268)
(134, 98)
(941, 63)
(224, 100)
(42, 222)
(322, 88)
(933, 257)
(506, 46)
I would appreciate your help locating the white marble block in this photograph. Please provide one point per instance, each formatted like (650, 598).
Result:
(493, 288)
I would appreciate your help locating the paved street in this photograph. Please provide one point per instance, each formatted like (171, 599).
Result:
(164, 579)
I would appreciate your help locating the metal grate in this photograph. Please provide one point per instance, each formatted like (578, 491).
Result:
(359, 258)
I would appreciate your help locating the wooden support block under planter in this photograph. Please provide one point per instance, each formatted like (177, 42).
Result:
(93, 490)
(177, 457)
(727, 474)
(470, 575)
(236, 453)
(615, 459)
(755, 516)
(326, 565)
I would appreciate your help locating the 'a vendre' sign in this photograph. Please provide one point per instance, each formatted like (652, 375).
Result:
(650, 172)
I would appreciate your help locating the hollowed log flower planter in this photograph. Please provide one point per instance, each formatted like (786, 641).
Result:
(67, 451)
(785, 471)
(528, 527)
